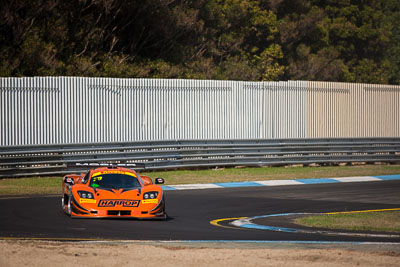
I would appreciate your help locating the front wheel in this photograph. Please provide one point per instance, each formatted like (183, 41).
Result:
(66, 204)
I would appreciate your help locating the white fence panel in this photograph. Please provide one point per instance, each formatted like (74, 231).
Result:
(57, 110)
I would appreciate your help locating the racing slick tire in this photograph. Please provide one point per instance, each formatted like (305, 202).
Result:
(66, 206)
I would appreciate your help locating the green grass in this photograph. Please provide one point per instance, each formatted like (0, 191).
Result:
(383, 221)
(30, 186)
(271, 173)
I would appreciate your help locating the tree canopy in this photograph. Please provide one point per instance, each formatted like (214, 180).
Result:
(326, 40)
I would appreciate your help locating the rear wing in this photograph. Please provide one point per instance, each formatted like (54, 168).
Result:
(91, 165)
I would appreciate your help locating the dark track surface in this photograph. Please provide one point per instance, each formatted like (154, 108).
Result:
(192, 210)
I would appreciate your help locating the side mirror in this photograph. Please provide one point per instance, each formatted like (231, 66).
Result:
(69, 180)
(159, 181)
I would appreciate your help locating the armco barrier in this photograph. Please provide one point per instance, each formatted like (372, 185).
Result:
(42, 160)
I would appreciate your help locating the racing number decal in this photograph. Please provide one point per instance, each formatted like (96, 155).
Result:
(97, 178)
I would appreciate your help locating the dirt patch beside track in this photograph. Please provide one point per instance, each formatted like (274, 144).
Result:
(42, 253)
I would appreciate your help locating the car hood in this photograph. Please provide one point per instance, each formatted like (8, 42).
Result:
(117, 193)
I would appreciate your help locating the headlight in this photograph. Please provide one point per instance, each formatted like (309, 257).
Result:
(85, 194)
(150, 195)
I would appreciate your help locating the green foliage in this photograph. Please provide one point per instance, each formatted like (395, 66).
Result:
(267, 63)
(347, 40)
(338, 40)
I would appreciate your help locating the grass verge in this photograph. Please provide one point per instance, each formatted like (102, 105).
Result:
(31, 186)
(271, 173)
(52, 185)
(382, 221)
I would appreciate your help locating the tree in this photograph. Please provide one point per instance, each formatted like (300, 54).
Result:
(329, 40)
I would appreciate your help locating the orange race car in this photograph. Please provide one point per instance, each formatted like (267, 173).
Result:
(115, 192)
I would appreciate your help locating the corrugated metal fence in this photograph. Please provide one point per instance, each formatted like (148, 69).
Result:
(352, 110)
(57, 110)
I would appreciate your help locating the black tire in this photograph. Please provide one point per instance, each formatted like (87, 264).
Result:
(69, 207)
(66, 204)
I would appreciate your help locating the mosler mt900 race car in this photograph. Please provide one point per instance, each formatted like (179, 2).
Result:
(112, 192)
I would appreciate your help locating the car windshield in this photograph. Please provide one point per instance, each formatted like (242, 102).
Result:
(114, 181)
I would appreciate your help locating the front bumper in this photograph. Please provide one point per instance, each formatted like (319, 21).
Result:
(142, 212)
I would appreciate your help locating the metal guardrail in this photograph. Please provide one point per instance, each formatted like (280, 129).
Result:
(44, 160)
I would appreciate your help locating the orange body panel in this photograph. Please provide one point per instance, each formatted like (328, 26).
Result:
(100, 202)
(146, 180)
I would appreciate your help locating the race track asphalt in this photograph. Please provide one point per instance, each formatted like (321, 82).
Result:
(191, 211)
